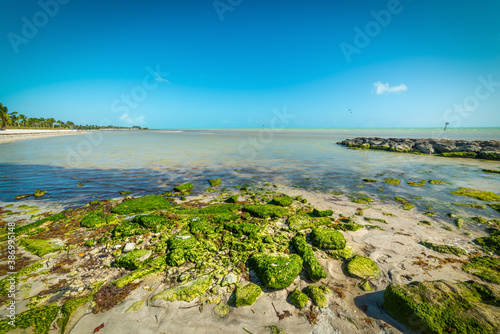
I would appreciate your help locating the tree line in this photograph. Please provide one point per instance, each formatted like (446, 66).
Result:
(15, 119)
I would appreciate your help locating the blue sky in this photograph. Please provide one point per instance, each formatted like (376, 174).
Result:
(236, 63)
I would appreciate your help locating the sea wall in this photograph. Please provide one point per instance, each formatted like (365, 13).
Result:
(479, 149)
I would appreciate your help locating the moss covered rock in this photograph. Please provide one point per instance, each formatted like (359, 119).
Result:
(317, 296)
(444, 307)
(302, 221)
(391, 181)
(153, 222)
(221, 310)
(327, 238)
(276, 271)
(340, 254)
(443, 248)
(491, 243)
(232, 199)
(184, 188)
(41, 247)
(298, 298)
(312, 266)
(246, 294)
(128, 229)
(141, 205)
(238, 230)
(265, 210)
(362, 267)
(485, 267)
(324, 213)
(98, 219)
(186, 291)
(437, 182)
(215, 182)
(68, 309)
(133, 260)
(477, 194)
(154, 266)
(282, 200)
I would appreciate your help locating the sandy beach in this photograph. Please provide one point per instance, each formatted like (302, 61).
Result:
(13, 135)
(394, 245)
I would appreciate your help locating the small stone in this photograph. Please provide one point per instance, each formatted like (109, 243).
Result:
(129, 247)
(221, 310)
(229, 279)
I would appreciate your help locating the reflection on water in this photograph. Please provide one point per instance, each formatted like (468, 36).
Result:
(155, 161)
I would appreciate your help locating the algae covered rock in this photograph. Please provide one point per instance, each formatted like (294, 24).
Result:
(221, 310)
(340, 254)
(265, 210)
(312, 266)
(246, 294)
(156, 265)
(215, 182)
(491, 243)
(41, 247)
(302, 221)
(324, 213)
(485, 267)
(391, 181)
(187, 291)
(317, 296)
(362, 267)
(38, 319)
(282, 200)
(298, 298)
(97, 220)
(152, 222)
(443, 248)
(141, 204)
(40, 193)
(444, 307)
(232, 199)
(68, 310)
(477, 194)
(327, 238)
(276, 271)
(133, 260)
(184, 188)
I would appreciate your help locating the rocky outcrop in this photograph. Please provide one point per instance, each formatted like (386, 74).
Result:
(479, 149)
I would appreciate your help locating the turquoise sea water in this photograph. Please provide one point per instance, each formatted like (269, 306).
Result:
(155, 161)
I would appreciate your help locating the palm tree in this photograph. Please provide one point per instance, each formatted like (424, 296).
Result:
(23, 119)
(13, 116)
(4, 116)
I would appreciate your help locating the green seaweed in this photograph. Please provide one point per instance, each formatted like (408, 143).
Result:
(491, 243)
(391, 181)
(133, 260)
(317, 296)
(471, 155)
(246, 294)
(362, 267)
(437, 182)
(184, 188)
(298, 298)
(327, 239)
(312, 266)
(487, 268)
(40, 247)
(477, 194)
(265, 210)
(276, 271)
(302, 221)
(96, 220)
(186, 291)
(379, 220)
(215, 182)
(67, 310)
(470, 205)
(348, 227)
(39, 318)
(141, 205)
(282, 200)
(443, 248)
(156, 265)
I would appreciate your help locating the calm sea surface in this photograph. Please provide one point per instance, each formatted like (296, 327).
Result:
(155, 161)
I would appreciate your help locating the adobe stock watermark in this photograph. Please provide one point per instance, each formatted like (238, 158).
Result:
(30, 27)
(223, 6)
(372, 29)
(85, 147)
(256, 143)
(126, 102)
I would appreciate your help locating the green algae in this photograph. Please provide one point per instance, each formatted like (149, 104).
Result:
(327, 239)
(215, 182)
(68, 309)
(394, 182)
(221, 310)
(246, 294)
(265, 210)
(133, 260)
(360, 198)
(32, 226)
(238, 230)
(495, 207)
(299, 299)
(437, 182)
(151, 267)
(408, 206)
(443, 248)
(362, 267)
(128, 229)
(141, 205)
(316, 295)
(312, 266)
(184, 188)
(39, 319)
(282, 200)
(471, 155)
(135, 306)
(276, 330)
(186, 291)
(491, 243)
(489, 156)
(459, 222)
(348, 227)
(324, 213)
(421, 183)
(378, 220)
(365, 286)
(40, 193)
(40, 247)
(477, 194)
(470, 205)
(487, 268)
(96, 220)
(340, 254)
(442, 307)
(276, 271)
(232, 199)
(425, 223)
(152, 222)
(302, 221)
(491, 171)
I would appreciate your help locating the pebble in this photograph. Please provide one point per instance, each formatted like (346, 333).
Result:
(129, 247)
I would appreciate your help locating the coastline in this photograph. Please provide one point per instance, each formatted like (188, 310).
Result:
(14, 135)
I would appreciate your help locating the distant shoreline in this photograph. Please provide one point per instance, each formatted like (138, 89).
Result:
(14, 135)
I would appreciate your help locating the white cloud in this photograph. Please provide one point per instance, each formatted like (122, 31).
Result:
(127, 119)
(385, 88)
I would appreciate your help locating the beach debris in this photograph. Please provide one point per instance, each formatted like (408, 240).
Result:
(98, 328)
(446, 125)
(283, 315)
(110, 295)
(276, 329)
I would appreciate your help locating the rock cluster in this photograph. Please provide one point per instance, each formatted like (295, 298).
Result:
(481, 149)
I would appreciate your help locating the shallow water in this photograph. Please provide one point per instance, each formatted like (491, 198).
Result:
(155, 161)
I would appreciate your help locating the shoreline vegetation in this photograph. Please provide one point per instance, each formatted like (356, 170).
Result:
(477, 149)
(257, 258)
